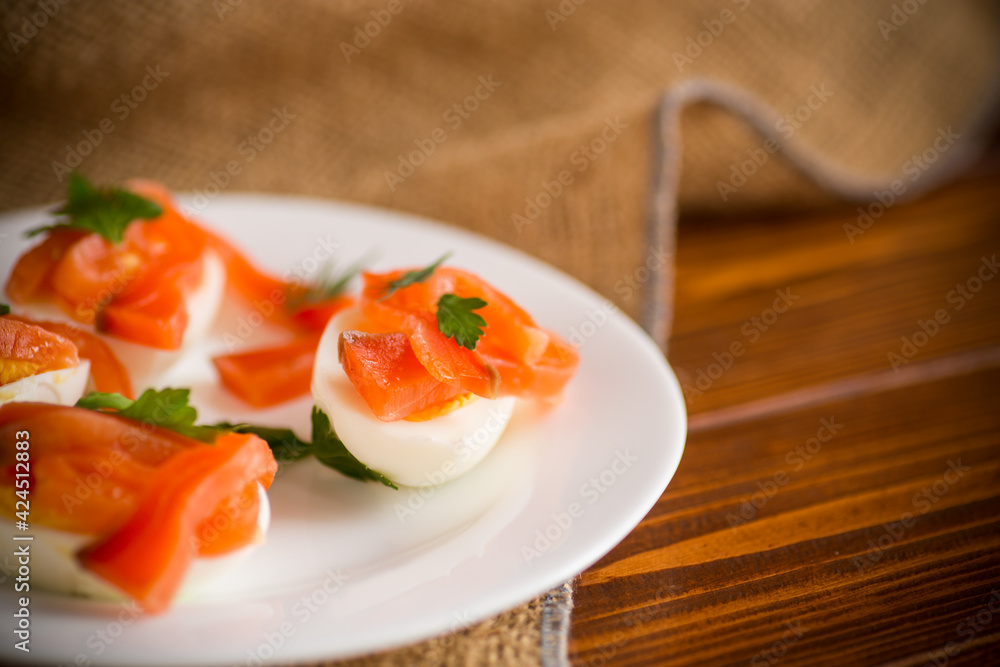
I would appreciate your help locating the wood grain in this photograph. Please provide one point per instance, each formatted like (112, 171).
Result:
(829, 509)
(852, 302)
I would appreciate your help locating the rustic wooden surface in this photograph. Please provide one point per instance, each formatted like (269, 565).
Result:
(832, 507)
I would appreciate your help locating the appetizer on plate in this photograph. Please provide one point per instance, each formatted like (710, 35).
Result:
(129, 499)
(419, 375)
(127, 264)
(52, 362)
(420, 379)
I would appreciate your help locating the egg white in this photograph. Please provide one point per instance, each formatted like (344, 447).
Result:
(55, 569)
(144, 363)
(418, 454)
(64, 386)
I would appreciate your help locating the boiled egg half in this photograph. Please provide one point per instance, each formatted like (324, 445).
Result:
(419, 453)
(54, 566)
(64, 386)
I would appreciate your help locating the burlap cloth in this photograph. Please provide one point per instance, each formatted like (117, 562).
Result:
(603, 94)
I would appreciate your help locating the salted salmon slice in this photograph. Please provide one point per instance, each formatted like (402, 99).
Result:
(29, 279)
(86, 274)
(388, 375)
(447, 361)
(273, 297)
(107, 372)
(510, 330)
(59, 429)
(255, 285)
(155, 498)
(148, 556)
(156, 317)
(411, 310)
(545, 378)
(233, 523)
(313, 317)
(27, 349)
(268, 376)
(137, 289)
(67, 445)
(513, 357)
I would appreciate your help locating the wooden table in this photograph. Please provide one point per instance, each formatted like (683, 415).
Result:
(839, 497)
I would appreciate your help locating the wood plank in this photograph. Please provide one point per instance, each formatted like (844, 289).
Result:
(874, 546)
(848, 305)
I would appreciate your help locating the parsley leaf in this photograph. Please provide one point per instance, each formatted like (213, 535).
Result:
(100, 401)
(284, 444)
(106, 211)
(325, 446)
(456, 319)
(330, 451)
(413, 277)
(167, 408)
(4, 309)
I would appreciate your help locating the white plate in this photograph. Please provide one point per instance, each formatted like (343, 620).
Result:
(561, 488)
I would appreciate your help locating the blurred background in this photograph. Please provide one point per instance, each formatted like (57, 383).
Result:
(464, 111)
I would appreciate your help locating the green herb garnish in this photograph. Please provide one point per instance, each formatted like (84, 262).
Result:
(413, 277)
(457, 320)
(327, 287)
(106, 211)
(167, 408)
(331, 451)
(325, 446)
(285, 445)
(4, 309)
